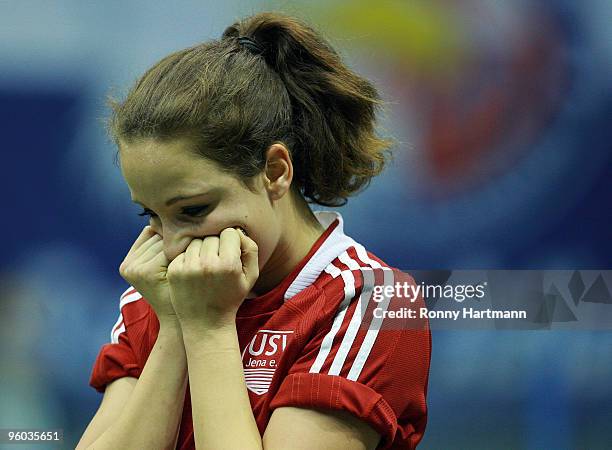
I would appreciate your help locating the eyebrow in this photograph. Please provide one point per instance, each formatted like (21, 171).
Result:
(178, 198)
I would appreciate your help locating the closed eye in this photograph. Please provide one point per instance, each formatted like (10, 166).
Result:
(195, 211)
(147, 212)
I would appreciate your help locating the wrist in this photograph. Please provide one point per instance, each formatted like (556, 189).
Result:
(209, 332)
(211, 320)
(170, 327)
(169, 341)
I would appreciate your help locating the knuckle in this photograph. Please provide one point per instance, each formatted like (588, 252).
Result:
(124, 271)
(207, 269)
(175, 270)
(231, 268)
(123, 264)
(188, 270)
(224, 270)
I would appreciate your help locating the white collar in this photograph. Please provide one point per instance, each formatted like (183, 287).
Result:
(332, 247)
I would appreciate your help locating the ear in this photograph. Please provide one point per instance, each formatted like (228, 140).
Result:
(278, 172)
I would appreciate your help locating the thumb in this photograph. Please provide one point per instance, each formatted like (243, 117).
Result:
(249, 257)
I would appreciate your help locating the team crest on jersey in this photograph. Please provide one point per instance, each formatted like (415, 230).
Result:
(260, 358)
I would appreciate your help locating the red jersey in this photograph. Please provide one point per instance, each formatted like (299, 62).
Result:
(311, 342)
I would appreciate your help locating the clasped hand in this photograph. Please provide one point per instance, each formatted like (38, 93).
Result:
(202, 287)
(211, 278)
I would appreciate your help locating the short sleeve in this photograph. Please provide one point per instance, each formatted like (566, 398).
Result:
(118, 358)
(373, 364)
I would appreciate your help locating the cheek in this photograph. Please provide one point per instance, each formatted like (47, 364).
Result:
(264, 237)
(212, 226)
(254, 217)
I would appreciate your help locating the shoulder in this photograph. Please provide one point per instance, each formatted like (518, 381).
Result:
(129, 345)
(359, 359)
(132, 308)
(357, 272)
(365, 312)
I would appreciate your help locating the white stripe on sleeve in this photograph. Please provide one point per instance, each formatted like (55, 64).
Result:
(129, 295)
(348, 340)
(326, 345)
(353, 328)
(372, 333)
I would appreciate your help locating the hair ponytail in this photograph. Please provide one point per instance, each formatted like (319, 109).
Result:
(333, 110)
(296, 90)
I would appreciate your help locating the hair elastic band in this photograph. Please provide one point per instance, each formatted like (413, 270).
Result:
(250, 44)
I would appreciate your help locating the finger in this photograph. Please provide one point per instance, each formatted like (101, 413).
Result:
(145, 234)
(144, 248)
(192, 252)
(229, 245)
(151, 252)
(159, 259)
(210, 247)
(175, 265)
(250, 263)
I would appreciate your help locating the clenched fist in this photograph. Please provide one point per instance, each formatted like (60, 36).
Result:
(211, 278)
(145, 267)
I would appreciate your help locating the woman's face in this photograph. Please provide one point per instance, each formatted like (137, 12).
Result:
(189, 197)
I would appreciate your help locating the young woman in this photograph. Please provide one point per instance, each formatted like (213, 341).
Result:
(249, 321)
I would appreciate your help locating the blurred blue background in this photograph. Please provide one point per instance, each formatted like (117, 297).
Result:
(503, 114)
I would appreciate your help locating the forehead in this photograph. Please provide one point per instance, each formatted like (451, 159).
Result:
(148, 153)
(156, 169)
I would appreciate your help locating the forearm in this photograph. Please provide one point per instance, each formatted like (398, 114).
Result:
(151, 417)
(222, 414)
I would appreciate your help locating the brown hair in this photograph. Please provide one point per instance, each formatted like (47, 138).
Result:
(235, 102)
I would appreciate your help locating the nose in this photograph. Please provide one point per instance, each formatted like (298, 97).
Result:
(175, 243)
